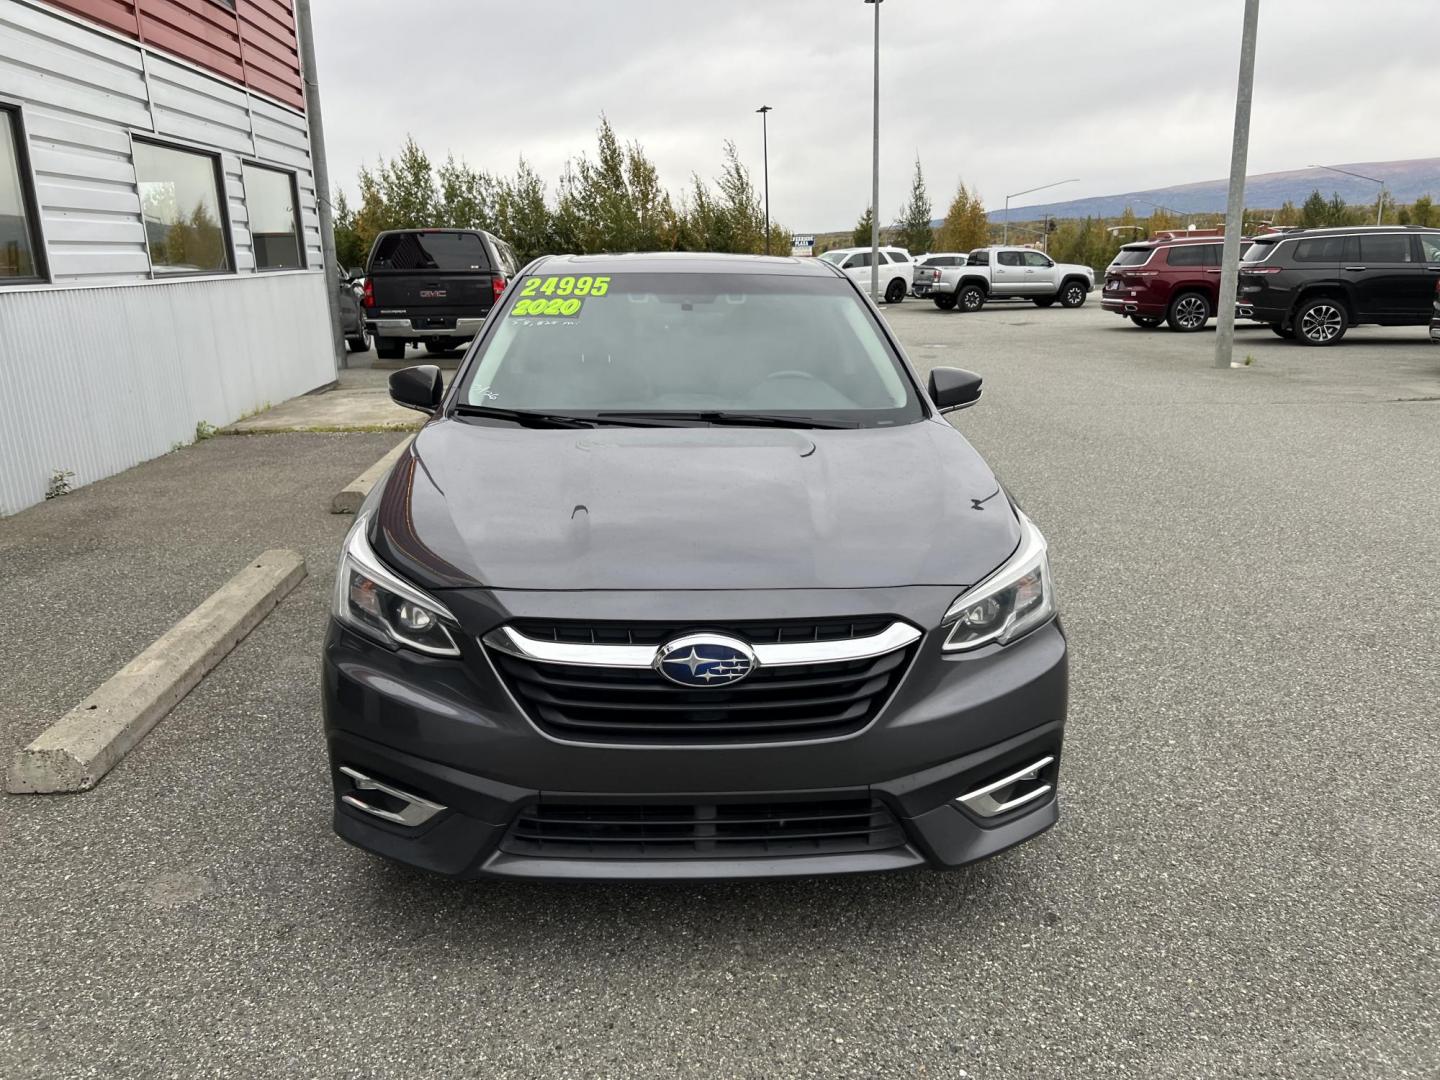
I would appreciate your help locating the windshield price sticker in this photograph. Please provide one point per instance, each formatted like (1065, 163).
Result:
(565, 286)
(556, 307)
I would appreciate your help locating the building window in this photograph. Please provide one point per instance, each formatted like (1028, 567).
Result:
(19, 253)
(274, 218)
(180, 201)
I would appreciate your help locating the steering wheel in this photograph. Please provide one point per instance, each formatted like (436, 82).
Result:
(792, 374)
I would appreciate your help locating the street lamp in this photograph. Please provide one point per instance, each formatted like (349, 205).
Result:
(875, 172)
(1027, 191)
(1380, 205)
(765, 144)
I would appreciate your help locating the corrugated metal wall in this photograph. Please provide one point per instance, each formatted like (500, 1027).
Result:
(252, 42)
(84, 92)
(97, 380)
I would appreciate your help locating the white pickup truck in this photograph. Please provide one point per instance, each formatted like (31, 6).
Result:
(1006, 273)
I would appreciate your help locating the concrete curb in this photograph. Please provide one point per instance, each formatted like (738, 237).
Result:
(88, 741)
(349, 498)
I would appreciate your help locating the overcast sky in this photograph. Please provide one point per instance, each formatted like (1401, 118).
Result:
(1008, 96)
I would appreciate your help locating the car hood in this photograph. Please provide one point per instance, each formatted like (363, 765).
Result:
(692, 508)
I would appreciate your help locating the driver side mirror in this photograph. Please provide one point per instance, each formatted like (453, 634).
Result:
(950, 388)
(418, 388)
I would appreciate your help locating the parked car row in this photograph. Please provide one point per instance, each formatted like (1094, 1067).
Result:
(896, 271)
(1307, 285)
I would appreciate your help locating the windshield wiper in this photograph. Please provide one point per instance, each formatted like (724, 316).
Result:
(524, 417)
(730, 417)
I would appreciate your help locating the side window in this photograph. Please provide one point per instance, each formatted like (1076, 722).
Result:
(859, 259)
(1038, 259)
(19, 250)
(1429, 248)
(274, 217)
(1214, 254)
(1008, 258)
(884, 257)
(1186, 255)
(979, 258)
(1386, 249)
(180, 202)
(1319, 249)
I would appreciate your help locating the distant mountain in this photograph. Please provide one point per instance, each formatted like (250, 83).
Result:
(1405, 181)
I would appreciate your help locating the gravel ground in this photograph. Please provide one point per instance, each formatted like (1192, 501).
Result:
(1243, 881)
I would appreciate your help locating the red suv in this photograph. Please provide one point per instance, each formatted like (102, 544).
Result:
(1175, 281)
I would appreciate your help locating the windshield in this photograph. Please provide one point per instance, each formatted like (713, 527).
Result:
(836, 257)
(691, 343)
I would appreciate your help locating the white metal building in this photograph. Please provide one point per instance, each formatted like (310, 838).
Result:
(160, 261)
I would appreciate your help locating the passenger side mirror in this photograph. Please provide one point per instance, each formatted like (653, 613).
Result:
(950, 388)
(418, 388)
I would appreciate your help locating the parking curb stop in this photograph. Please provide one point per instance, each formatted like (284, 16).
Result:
(348, 499)
(75, 752)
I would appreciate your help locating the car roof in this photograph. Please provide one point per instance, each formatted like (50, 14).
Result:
(687, 262)
(1334, 230)
(1146, 245)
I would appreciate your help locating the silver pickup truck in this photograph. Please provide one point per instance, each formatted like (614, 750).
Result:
(1006, 273)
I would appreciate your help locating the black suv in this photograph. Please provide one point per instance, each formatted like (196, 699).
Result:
(1313, 284)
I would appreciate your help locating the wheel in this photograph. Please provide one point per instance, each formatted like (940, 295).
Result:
(1146, 322)
(390, 349)
(1189, 311)
(1044, 301)
(895, 291)
(360, 342)
(1288, 333)
(970, 298)
(945, 301)
(1321, 321)
(1072, 294)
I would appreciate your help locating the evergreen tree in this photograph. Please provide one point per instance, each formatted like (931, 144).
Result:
(350, 250)
(1424, 212)
(1315, 211)
(522, 218)
(915, 232)
(861, 235)
(466, 198)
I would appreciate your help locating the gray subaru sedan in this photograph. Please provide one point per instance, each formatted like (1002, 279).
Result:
(687, 576)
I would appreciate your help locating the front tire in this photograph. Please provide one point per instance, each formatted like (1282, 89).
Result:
(1189, 312)
(944, 301)
(1321, 321)
(971, 298)
(895, 291)
(1072, 294)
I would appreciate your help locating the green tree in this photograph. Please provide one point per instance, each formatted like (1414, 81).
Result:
(1286, 215)
(521, 216)
(966, 225)
(407, 188)
(1315, 212)
(1424, 212)
(860, 237)
(466, 199)
(915, 232)
(350, 250)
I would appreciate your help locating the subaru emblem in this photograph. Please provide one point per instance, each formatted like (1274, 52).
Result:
(705, 660)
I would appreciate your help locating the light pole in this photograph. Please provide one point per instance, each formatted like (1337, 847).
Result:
(1027, 191)
(1380, 206)
(1235, 195)
(875, 172)
(763, 110)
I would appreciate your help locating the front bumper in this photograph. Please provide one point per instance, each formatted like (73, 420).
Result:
(451, 733)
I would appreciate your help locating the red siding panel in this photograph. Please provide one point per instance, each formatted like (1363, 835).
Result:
(254, 45)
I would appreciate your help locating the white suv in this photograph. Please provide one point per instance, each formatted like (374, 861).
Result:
(895, 271)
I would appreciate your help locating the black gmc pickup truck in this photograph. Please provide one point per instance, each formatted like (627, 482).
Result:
(434, 286)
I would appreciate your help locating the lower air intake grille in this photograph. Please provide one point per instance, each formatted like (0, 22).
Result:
(702, 830)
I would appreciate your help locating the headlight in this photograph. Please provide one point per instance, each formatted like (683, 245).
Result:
(1011, 602)
(376, 602)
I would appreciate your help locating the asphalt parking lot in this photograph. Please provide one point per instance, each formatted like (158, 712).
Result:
(1244, 882)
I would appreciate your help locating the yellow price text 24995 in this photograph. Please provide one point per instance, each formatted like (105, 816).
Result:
(565, 286)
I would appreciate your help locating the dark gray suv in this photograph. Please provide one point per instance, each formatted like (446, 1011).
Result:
(688, 577)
